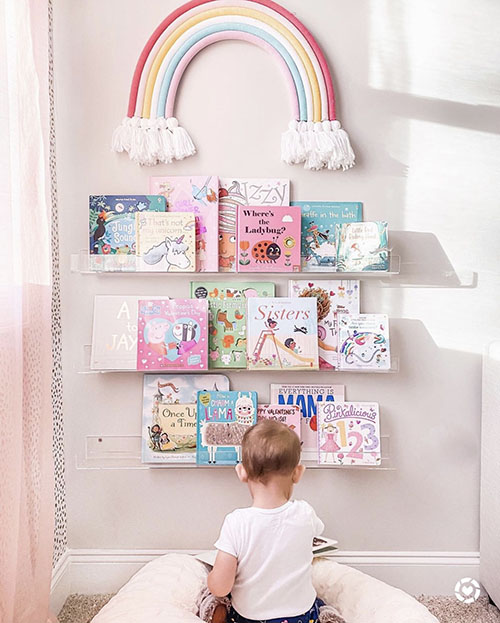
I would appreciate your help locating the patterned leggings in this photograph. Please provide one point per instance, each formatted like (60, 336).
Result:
(311, 616)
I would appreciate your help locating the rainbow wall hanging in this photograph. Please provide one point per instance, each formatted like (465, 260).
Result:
(151, 134)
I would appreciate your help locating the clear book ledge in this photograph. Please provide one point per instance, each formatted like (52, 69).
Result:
(124, 452)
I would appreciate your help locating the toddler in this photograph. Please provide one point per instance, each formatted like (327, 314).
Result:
(264, 551)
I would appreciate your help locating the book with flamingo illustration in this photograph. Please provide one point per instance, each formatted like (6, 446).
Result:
(362, 246)
(307, 398)
(169, 415)
(227, 318)
(319, 220)
(363, 342)
(172, 334)
(198, 194)
(165, 241)
(287, 414)
(282, 333)
(268, 239)
(349, 433)
(234, 192)
(333, 297)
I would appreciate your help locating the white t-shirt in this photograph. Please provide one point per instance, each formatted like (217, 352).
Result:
(274, 551)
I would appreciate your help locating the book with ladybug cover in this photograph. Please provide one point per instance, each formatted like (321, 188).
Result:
(198, 194)
(307, 398)
(333, 297)
(268, 239)
(363, 342)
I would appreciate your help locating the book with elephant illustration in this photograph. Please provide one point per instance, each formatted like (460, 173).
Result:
(363, 342)
(172, 334)
(223, 419)
(198, 194)
(227, 314)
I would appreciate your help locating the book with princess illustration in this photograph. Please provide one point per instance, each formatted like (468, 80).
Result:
(234, 192)
(286, 414)
(169, 415)
(319, 220)
(198, 194)
(223, 419)
(165, 241)
(172, 334)
(282, 333)
(333, 297)
(349, 433)
(363, 342)
(307, 398)
(268, 239)
(227, 318)
(362, 246)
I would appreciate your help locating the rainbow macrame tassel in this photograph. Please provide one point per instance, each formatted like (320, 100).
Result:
(151, 134)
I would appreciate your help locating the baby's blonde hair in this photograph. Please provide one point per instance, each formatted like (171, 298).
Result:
(268, 448)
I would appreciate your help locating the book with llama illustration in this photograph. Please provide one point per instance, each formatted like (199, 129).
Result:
(349, 433)
(172, 334)
(362, 246)
(165, 241)
(234, 192)
(333, 297)
(286, 414)
(223, 419)
(282, 333)
(169, 415)
(112, 228)
(227, 318)
(268, 239)
(319, 220)
(307, 398)
(363, 342)
(198, 194)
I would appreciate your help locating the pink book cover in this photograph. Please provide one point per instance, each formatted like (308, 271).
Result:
(287, 414)
(172, 334)
(268, 239)
(198, 194)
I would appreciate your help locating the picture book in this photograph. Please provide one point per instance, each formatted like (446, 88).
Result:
(332, 296)
(199, 195)
(112, 228)
(318, 242)
(268, 239)
(287, 414)
(165, 241)
(235, 192)
(223, 419)
(172, 334)
(362, 246)
(307, 398)
(282, 333)
(169, 415)
(349, 433)
(364, 342)
(227, 315)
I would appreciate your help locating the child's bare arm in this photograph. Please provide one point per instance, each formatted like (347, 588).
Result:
(221, 579)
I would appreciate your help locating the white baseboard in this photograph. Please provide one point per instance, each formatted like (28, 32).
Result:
(89, 571)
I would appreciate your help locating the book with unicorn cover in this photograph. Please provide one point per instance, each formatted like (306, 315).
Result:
(286, 414)
(268, 239)
(333, 297)
(362, 246)
(234, 192)
(282, 333)
(319, 221)
(363, 342)
(198, 194)
(172, 334)
(349, 433)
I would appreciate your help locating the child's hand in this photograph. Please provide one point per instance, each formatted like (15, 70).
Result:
(220, 580)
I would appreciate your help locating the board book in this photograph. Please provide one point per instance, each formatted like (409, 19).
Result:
(318, 241)
(172, 334)
(198, 194)
(282, 333)
(349, 433)
(268, 239)
(362, 247)
(223, 419)
(286, 414)
(364, 342)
